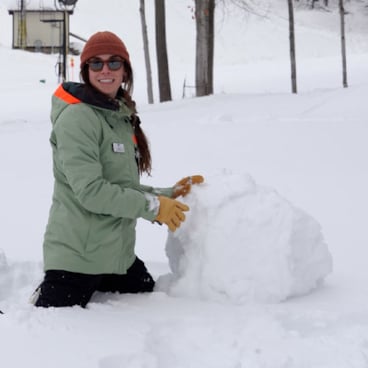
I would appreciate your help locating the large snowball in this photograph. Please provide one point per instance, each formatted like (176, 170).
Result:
(242, 242)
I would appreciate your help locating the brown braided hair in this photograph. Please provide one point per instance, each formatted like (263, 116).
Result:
(144, 160)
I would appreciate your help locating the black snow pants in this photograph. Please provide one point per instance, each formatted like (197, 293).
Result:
(64, 289)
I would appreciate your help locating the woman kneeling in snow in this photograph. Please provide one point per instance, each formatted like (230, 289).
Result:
(99, 152)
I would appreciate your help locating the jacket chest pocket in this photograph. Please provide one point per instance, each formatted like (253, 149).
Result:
(118, 160)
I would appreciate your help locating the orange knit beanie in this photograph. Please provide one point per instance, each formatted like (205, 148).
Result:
(104, 43)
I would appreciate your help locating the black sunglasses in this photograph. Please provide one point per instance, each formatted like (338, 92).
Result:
(96, 65)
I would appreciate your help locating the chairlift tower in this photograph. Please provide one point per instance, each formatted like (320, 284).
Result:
(66, 6)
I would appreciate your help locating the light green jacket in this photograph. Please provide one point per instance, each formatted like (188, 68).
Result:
(97, 195)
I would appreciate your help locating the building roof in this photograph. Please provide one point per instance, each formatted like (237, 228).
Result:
(32, 5)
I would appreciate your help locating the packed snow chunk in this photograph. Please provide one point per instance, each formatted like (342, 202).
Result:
(3, 262)
(243, 242)
(3, 274)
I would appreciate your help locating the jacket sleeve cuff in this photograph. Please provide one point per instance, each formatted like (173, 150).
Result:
(152, 207)
(166, 192)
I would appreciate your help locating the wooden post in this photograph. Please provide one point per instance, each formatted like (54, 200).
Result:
(292, 46)
(343, 45)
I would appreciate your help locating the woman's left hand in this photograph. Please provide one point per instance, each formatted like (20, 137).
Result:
(183, 186)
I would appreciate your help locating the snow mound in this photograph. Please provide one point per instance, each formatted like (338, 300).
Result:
(3, 262)
(242, 242)
(17, 276)
(3, 274)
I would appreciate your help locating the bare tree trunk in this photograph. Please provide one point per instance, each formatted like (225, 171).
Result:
(146, 52)
(161, 48)
(292, 46)
(205, 14)
(211, 44)
(343, 46)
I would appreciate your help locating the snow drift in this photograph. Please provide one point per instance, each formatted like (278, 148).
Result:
(268, 251)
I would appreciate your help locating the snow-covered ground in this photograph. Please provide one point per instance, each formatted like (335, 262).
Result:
(284, 172)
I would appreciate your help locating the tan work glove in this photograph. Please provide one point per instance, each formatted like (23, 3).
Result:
(171, 212)
(183, 186)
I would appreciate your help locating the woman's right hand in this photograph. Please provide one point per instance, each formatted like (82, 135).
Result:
(171, 212)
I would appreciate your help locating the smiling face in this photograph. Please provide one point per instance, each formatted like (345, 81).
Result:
(106, 80)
